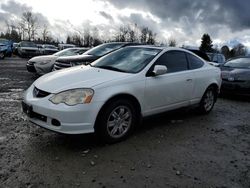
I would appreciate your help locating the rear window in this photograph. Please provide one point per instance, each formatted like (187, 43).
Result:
(194, 62)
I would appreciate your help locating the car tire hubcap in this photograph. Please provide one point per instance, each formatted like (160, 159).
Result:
(209, 100)
(119, 121)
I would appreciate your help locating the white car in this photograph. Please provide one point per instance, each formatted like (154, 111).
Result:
(111, 95)
(44, 64)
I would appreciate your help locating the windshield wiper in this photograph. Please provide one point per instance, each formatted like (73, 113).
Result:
(110, 68)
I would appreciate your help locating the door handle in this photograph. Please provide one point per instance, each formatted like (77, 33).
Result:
(189, 80)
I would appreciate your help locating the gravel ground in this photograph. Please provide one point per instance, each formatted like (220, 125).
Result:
(176, 149)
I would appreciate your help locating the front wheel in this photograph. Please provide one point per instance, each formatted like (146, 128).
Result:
(207, 101)
(2, 55)
(116, 121)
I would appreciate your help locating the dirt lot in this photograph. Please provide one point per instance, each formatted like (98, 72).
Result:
(177, 149)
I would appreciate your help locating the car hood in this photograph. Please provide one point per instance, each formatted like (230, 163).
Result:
(76, 77)
(238, 73)
(78, 58)
(43, 58)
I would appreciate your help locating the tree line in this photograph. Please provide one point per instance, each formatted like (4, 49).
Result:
(237, 50)
(27, 27)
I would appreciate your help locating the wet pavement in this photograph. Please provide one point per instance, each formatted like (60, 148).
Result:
(175, 149)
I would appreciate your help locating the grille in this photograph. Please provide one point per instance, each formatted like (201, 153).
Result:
(61, 65)
(40, 93)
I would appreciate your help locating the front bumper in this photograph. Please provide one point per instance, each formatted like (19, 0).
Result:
(236, 87)
(76, 119)
(30, 67)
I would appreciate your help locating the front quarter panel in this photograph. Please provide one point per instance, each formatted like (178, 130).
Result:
(134, 86)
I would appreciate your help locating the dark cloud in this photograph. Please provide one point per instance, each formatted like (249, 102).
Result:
(12, 11)
(14, 7)
(106, 15)
(232, 13)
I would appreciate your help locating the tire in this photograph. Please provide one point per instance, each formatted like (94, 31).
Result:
(116, 121)
(208, 100)
(2, 55)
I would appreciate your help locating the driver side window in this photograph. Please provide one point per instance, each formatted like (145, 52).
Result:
(175, 61)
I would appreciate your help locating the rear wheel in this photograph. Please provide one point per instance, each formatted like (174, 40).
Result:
(208, 100)
(116, 121)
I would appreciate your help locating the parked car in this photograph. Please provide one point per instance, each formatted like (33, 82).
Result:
(236, 76)
(111, 95)
(44, 64)
(48, 49)
(217, 58)
(90, 56)
(2, 51)
(27, 49)
(14, 49)
(65, 46)
(6, 48)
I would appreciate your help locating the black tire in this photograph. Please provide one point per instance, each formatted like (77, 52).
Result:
(2, 55)
(208, 100)
(108, 124)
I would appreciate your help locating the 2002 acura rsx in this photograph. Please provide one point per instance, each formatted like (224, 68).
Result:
(110, 95)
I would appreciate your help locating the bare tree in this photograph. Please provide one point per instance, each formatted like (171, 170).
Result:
(144, 34)
(239, 50)
(45, 33)
(29, 24)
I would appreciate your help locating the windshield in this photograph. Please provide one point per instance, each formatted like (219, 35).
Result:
(238, 63)
(28, 44)
(67, 52)
(4, 41)
(104, 49)
(129, 59)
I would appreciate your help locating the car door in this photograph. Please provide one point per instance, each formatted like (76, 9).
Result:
(170, 90)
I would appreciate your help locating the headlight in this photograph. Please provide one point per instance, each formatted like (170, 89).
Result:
(44, 62)
(73, 97)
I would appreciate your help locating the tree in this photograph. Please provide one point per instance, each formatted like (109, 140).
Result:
(29, 24)
(206, 43)
(151, 37)
(239, 50)
(68, 40)
(144, 33)
(225, 51)
(172, 42)
(45, 34)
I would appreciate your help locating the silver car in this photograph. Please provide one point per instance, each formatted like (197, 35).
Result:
(44, 64)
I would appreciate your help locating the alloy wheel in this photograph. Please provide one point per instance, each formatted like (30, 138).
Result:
(119, 121)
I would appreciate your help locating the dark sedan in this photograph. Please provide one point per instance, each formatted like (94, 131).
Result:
(236, 76)
(90, 56)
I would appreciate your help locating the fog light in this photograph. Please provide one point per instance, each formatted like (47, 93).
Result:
(55, 122)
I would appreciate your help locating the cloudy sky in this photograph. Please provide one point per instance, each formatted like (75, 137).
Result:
(226, 21)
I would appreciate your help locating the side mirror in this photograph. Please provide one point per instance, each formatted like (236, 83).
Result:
(159, 70)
